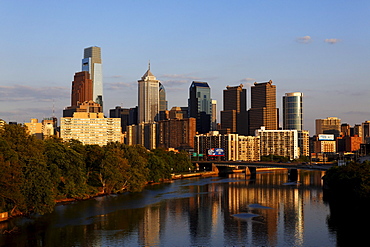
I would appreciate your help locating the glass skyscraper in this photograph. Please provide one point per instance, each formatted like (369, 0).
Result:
(200, 105)
(293, 111)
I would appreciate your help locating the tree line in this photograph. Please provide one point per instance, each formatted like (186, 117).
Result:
(35, 174)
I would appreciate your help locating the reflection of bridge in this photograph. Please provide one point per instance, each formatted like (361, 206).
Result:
(251, 167)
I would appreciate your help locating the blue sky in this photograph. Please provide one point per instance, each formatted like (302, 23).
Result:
(319, 48)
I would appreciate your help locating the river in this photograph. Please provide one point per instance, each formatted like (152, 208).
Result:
(234, 210)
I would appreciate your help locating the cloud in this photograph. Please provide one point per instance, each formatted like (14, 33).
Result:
(175, 80)
(119, 85)
(29, 93)
(304, 40)
(332, 41)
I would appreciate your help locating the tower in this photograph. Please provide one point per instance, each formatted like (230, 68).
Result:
(200, 105)
(234, 115)
(293, 111)
(148, 98)
(82, 88)
(263, 111)
(92, 63)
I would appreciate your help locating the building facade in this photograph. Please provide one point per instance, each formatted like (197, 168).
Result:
(200, 105)
(90, 128)
(235, 147)
(148, 98)
(82, 88)
(293, 111)
(234, 115)
(330, 125)
(263, 111)
(144, 134)
(92, 63)
(176, 133)
(279, 142)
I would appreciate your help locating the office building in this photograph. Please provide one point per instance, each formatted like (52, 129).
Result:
(91, 128)
(366, 132)
(176, 133)
(92, 63)
(123, 114)
(82, 88)
(330, 125)
(263, 111)
(234, 114)
(325, 143)
(304, 142)
(144, 134)
(87, 106)
(235, 147)
(214, 115)
(178, 112)
(279, 142)
(148, 98)
(200, 105)
(293, 111)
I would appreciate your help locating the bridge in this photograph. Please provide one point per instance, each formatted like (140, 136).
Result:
(250, 167)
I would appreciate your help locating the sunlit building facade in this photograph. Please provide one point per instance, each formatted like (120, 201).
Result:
(90, 128)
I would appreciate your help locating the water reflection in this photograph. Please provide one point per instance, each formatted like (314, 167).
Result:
(217, 211)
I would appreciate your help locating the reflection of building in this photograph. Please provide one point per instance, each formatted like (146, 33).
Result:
(148, 98)
(234, 115)
(200, 105)
(235, 147)
(176, 133)
(263, 111)
(92, 63)
(330, 125)
(278, 142)
(292, 111)
(91, 128)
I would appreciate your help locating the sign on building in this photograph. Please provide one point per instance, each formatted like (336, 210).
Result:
(216, 152)
(326, 137)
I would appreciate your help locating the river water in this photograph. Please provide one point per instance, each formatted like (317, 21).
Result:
(266, 210)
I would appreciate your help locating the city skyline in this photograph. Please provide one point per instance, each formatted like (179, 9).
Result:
(312, 47)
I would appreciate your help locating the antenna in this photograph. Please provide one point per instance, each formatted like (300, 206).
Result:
(149, 65)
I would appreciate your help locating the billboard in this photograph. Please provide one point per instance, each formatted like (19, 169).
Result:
(216, 152)
(327, 137)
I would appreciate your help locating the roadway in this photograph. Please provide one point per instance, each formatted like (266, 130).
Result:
(261, 164)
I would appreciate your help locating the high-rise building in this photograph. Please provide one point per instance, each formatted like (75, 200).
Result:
(279, 142)
(92, 63)
(200, 105)
(330, 125)
(235, 147)
(148, 98)
(234, 115)
(214, 115)
(293, 111)
(366, 132)
(82, 88)
(123, 114)
(91, 128)
(176, 133)
(263, 111)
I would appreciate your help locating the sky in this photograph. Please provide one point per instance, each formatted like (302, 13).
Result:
(317, 47)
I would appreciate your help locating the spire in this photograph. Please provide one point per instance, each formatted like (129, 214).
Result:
(149, 65)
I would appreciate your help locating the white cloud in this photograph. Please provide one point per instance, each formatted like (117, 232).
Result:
(304, 40)
(332, 41)
(28, 93)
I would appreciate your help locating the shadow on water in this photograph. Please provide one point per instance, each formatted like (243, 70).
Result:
(348, 219)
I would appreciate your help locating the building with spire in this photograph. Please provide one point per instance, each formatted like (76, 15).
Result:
(92, 63)
(148, 98)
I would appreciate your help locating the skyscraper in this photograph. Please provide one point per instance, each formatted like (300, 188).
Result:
(200, 105)
(330, 125)
(148, 98)
(82, 88)
(293, 111)
(234, 115)
(92, 63)
(263, 111)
